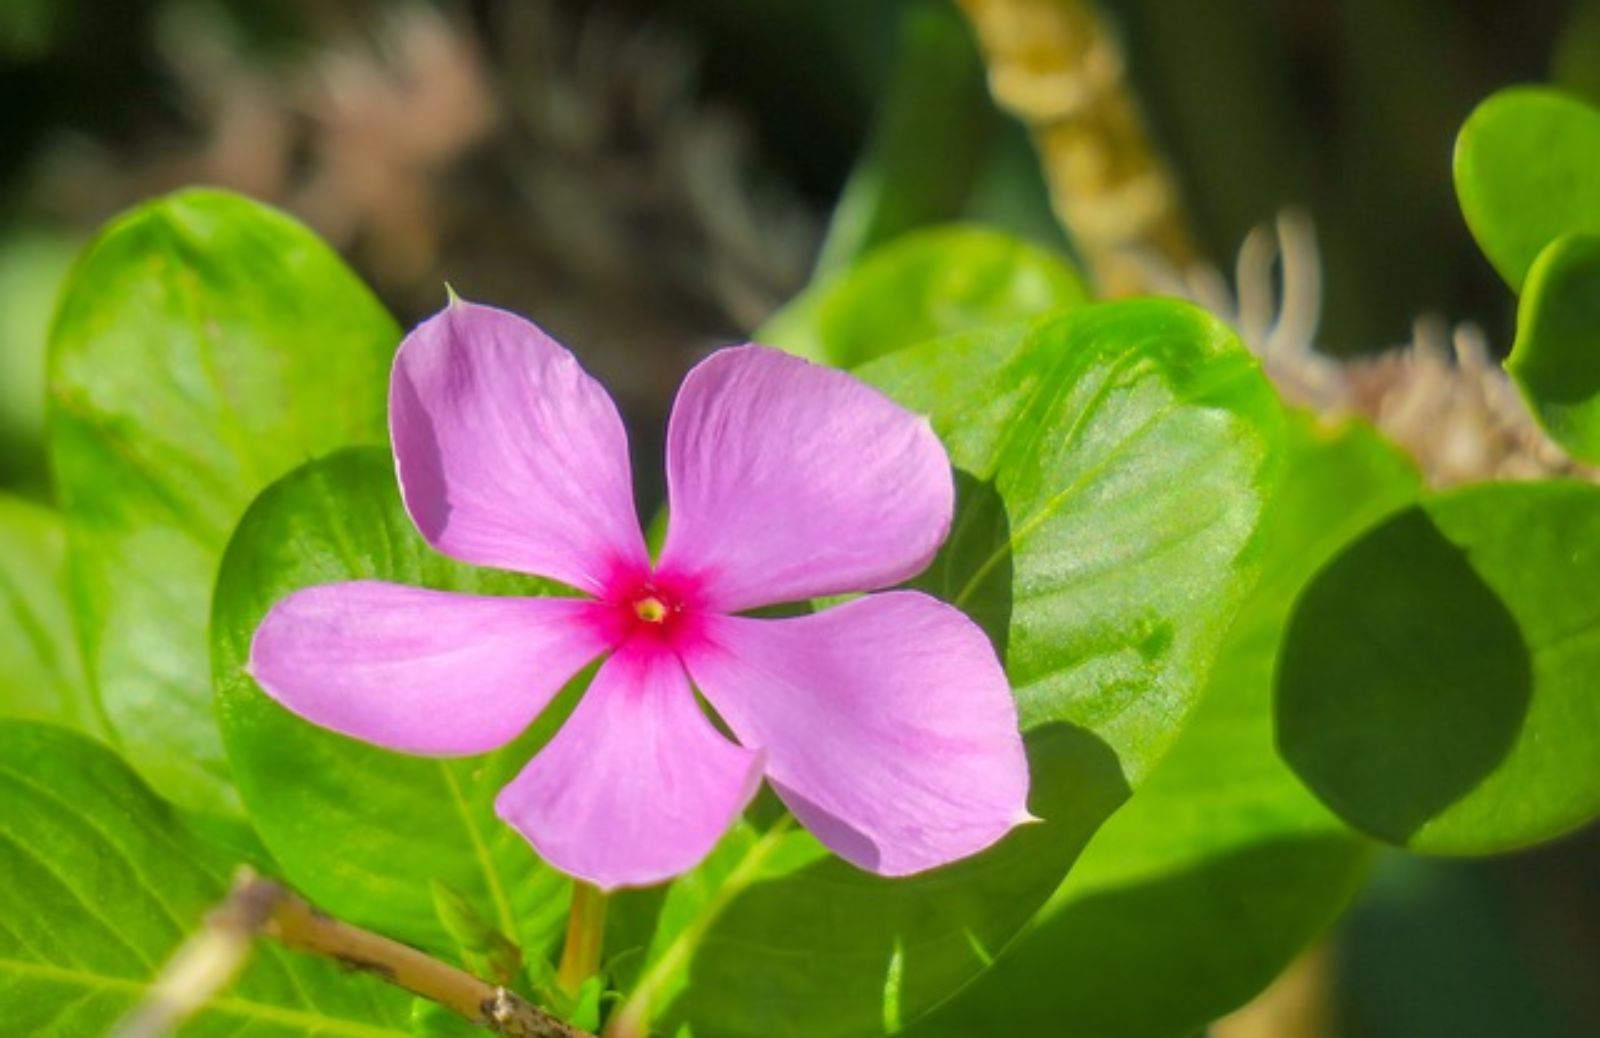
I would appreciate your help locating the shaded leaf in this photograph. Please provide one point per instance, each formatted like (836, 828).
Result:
(1436, 685)
(927, 143)
(32, 268)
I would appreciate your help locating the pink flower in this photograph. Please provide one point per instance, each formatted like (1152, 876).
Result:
(886, 724)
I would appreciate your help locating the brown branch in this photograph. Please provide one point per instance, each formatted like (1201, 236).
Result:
(212, 957)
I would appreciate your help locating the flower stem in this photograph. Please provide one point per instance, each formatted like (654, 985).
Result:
(586, 932)
(632, 1018)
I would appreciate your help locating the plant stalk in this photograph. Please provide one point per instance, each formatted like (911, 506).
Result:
(210, 960)
(586, 933)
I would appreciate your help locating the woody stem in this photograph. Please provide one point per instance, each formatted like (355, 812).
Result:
(586, 930)
(212, 957)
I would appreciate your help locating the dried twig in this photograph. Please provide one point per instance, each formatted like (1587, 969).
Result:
(211, 958)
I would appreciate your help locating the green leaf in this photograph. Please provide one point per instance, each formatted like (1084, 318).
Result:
(1437, 681)
(204, 346)
(1527, 171)
(1556, 361)
(923, 286)
(364, 832)
(487, 952)
(928, 141)
(100, 882)
(41, 675)
(1113, 467)
(431, 1020)
(1222, 866)
(1113, 473)
(33, 264)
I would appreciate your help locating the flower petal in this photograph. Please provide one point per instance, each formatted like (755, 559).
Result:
(427, 672)
(788, 480)
(509, 454)
(638, 786)
(888, 725)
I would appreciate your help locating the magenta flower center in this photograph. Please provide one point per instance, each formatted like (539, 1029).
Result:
(646, 607)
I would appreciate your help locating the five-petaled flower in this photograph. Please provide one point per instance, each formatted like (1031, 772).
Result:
(885, 724)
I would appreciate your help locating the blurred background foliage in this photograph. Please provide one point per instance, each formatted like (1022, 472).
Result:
(652, 178)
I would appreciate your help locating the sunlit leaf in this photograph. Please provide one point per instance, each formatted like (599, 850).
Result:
(1527, 171)
(1113, 465)
(99, 883)
(364, 832)
(1556, 361)
(923, 286)
(204, 346)
(1222, 866)
(41, 675)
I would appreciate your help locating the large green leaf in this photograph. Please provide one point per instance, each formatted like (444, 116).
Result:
(923, 286)
(1527, 171)
(1437, 681)
(40, 672)
(100, 881)
(365, 832)
(1556, 361)
(204, 346)
(1113, 466)
(1222, 865)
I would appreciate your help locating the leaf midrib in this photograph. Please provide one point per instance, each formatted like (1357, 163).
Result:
(491, 875)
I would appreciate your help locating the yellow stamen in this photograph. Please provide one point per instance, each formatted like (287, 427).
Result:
(651, 610)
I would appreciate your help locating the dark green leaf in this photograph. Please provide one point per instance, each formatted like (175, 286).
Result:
(1556, 361)
(921, 287)
(1113, 467)
(41, 675)
(1222, 866)
(928, 142)
(1436, 686)
(100, 882)
(1527, 171)
(364, 832)
(205, 345)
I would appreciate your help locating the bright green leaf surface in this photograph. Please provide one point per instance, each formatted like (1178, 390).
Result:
(364, 832)
(100, 881)
(40, 672)
(205, 345)
(1197, 892)
(923, 286)
(1113, 467)
(1436, 686)
(1113, 474)
(1556, 361)
(1527, 171)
